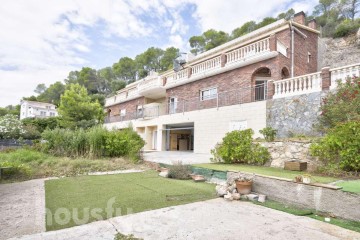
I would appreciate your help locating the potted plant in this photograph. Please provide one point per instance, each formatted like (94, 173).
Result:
(244, 184)
(306, 178)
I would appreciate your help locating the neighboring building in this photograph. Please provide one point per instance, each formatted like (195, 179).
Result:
(31, 109)
(222, 89)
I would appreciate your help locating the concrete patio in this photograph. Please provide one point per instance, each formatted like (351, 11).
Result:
(213, 219)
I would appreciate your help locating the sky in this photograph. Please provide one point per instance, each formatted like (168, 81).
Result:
(41, 41)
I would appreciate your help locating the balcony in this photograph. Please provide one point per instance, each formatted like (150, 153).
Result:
(152, 87)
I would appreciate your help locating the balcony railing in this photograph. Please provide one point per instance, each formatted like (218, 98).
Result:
(250, 50)
(343, 73)
(211, 64)
(298, 85)
(149, 84)
(222, 99)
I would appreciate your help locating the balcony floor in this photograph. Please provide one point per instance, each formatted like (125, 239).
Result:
(170, 157)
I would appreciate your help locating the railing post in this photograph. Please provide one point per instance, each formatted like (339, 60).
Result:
(183, 106)
(223, 60)
(325, 78)
(217, 101)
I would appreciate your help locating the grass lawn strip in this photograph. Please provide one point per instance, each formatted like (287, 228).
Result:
(267, 171)
(351, 225)
(350, 186)
(133, 192)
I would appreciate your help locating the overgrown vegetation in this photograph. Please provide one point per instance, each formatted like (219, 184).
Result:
(340, 148)
(120, 236)
(340, 119)
(95, 142)
(341, 106)
(238, 147)
(269, 133)
(27, 163)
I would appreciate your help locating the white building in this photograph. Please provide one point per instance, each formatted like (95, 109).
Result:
(31, 109)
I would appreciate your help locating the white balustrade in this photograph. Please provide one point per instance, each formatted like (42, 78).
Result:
(132, 92)
(248, 51)
(206, 66)
(298, 85)
(344, 73)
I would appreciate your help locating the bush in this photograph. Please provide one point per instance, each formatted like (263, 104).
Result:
(341, 106)
(95, 142)
(345, 28)
(41, 123)
(10, 127)
(18, 169)
(179, 171)
(340, 148)
(237, 147)
(269, 133)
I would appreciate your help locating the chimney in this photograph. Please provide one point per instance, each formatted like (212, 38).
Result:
(312, 24)
(300, 18)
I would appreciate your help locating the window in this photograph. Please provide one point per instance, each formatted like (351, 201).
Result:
(139, 111)
(122, 112)
(208, 94)
(48, 107)
(172, 105)
(42, 113)
(52, 114)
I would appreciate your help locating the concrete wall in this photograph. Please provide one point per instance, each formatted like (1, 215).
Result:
(294, 115)
(341, 204)
(210, 125)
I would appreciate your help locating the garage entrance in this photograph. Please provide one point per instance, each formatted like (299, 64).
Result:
(180, 137)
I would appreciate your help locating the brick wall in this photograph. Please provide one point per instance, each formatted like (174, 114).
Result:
(130, 107)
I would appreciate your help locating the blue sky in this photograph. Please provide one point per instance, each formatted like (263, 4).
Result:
(41, 41)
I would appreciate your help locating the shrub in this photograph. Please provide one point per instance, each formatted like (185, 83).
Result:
(237, 147)
(341, 106)
(345, 28)
(269, 133)
(41, 123)
(179, 171)
(340, 148)
(95, 142)
(10, 127)
(16, 169)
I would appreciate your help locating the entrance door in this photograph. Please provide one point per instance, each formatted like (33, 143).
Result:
(260, 90)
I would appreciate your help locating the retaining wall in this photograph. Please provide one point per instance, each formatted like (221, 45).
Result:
(321, 198)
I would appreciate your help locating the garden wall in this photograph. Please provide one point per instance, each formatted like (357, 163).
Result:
(295, 115)
(282, 151)
(13, 143)
(341, 204)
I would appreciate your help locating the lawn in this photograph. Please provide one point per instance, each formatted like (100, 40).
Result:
(132, 192)
(348, 224)
(350, 186)
(268, 171)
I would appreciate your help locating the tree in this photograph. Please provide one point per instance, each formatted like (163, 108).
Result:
(208, 40)
(40, 88)
(244, 29)
(286, 15)
(265, 21)
(149, 61)
(86, 77)
(117, 85)
(350, 8)
(76, 106)
(52, 94)
(167, 59)
(125, 70)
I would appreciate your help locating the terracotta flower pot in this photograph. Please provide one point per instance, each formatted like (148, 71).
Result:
(243, 187)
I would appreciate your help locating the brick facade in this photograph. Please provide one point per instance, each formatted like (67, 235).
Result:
(229, 83)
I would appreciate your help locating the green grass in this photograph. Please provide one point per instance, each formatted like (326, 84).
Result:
(350, 186)
(352, 225)
(29, 164)
(268, 171)
(133, 192)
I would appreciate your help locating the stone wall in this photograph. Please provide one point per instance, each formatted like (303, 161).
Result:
(290, 150)
(295, 115)
(339, 203)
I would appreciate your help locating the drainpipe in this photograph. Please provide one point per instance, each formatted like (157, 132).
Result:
(292, 49)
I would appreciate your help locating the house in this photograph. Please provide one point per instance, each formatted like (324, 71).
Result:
(226, 88)
(32, 109)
